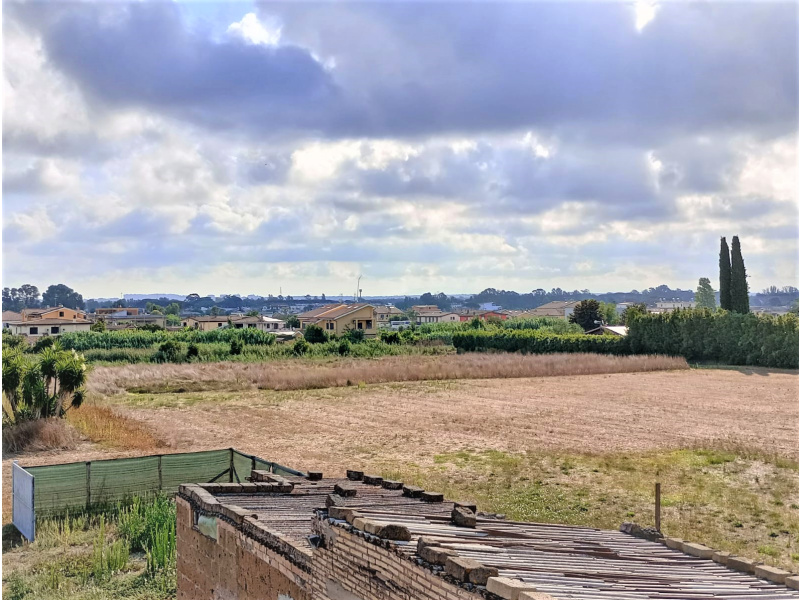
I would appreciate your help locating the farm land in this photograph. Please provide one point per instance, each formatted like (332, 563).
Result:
(559, 438)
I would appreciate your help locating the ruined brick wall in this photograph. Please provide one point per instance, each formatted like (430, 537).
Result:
(232, 567)
(349, 567)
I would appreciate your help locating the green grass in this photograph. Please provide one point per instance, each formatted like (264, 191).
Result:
(124, 552)
(741, 502)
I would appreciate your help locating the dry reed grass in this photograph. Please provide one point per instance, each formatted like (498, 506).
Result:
(104, 426)
(296, 375)
(42, 434)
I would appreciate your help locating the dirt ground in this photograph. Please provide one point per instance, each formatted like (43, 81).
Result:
(391, 424)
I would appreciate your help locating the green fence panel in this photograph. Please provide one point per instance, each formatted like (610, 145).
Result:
(281, 470)
(59, 487)
(242, 465)
(113, 480)
(193, 467)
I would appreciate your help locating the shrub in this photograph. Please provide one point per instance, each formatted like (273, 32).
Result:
(11, 341)
(169, 351)
(390, 337)
(344, 347)
(43, 343)
(142, 520)
(354, 335)
(314, 334)
(193, 351)
(98, 326)
(236, 346)
(537, 342)
(300, 347)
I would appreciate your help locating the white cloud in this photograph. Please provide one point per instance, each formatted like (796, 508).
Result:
(255, 31)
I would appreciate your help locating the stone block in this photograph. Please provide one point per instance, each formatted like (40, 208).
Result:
(793, 582)
(391, 485)
(745, 565)
(339, 512)
(721, 557)
(370, 526)
(674, 543)
(480, 575)
(773, 574)
(535, 596)
(462, 517)
(436, 555)
(432, 497)
(507, 588)
(358, 522)
(459, 567)
(470, 507)
(334, 500)
(355, 475)
(390, 531)
(351, 516)
(314, 475)
(412, 491)
(423, 542)
(249, 488)
(344, 490)
(697, 550)
(373, 480)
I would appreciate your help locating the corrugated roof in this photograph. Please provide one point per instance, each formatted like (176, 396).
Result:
(564, 561)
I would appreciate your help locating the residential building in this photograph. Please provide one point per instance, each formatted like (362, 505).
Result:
(558, 308)
(57, 312)
(420, 308)
(385, 313)
(36, 328)
(666, 307)
(337, 319)
(125, 321)
(437, 316)
(117, 312)
(469, 314)
(237, 322)
(10, 316)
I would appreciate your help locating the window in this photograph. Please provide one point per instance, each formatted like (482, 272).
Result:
(329, 325)
(34, 331)
(55, 329)
(360, 325)
(369, 324)
(250, 325)
(239, 326)
(61, 313)
(219, 324)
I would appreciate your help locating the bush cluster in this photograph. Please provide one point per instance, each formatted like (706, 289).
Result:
(90, 340)
(531, 341)
(719, 337)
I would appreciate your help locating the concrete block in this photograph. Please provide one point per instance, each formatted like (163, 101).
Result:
(373, 480)
(535, 596)
(480, 575)
(314, 475)
(467, 505)
(773, 574)
(432, 497)
(697, 550)
(352, 516)
(463, 517)
(793, 582)
(508, 588)
(721, 557)
(745, 565)
(334, 500)
(436, 555)
(391, 485)
(459, 567)
(339, 512)
(344, 490)
(358, 523)
(369, 526)
(424, 542)
(355, 475)
(412, 491)
(674, 543)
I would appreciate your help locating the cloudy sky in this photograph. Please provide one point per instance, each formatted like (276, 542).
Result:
(247, 148)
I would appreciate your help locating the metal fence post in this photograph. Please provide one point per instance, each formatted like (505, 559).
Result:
(88, 484)
(658, 506)
(160, 479)
(230, 469)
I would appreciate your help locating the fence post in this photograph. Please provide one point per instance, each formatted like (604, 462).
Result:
(88, 484)
(252, 464)
(658, 506)
(160, 480)
(230, 469)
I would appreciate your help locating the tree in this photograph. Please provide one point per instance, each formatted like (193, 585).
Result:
(98, 326)
(608, 311)
(724, 275)
(25, 296)
(740, 300)
(62, 295)
(192, 298)
(216, 311)
(172, 309)
(252, 313)
(704, 296)
(173, 320)
(45, 385)
(293, 322)
(632, 311)
(314, 334)
(586, 314)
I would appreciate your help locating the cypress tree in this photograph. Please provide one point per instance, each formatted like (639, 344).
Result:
(740, 301)
(724, 275)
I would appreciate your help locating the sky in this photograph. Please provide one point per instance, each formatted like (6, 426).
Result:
(252, 148)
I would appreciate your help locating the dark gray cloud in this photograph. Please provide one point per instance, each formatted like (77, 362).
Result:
(411, 69)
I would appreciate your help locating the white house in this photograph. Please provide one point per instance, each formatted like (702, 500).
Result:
(41, 327)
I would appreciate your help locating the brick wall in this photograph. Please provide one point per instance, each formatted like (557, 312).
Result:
(349, 567)
(232, 567)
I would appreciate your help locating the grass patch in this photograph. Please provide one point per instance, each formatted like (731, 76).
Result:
(41, 434)
(716, 497)
(105, 427)
(95, 556)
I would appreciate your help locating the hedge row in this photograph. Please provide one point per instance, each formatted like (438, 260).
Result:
(537, 342)
(89, 340)
(719, 337)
